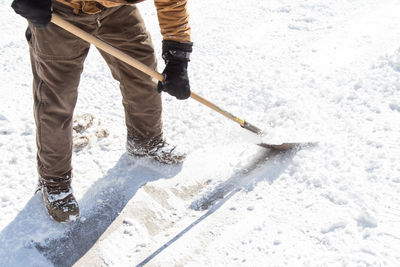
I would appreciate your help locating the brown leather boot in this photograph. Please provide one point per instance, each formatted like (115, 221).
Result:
(59, 199)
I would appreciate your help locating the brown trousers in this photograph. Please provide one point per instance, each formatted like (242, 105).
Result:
(57, 59)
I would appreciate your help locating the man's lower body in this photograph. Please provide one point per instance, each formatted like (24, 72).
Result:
(57, 59)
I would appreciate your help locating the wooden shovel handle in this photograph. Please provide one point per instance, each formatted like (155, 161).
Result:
(56, 19)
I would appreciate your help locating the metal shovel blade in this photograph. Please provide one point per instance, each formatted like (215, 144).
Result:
(278, 147)
(285, 146)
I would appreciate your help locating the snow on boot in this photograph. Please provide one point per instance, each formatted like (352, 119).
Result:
(60, 201)
(156, 148)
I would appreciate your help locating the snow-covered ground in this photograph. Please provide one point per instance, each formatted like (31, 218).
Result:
(326, 71)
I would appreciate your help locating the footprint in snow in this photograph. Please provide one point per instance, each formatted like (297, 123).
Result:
(85, 128)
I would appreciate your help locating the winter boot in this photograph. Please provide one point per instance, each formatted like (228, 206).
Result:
(59, 199)
(156, 148)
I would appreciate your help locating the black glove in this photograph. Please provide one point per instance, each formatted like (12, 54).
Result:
(38, 12)
(176, 80)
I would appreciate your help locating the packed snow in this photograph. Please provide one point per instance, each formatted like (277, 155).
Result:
(321, 71)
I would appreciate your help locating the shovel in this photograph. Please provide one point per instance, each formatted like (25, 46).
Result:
(56, 19)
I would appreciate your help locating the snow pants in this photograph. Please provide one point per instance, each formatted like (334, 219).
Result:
(57, 59)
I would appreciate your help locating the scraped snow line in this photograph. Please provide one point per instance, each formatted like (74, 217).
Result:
(182, 217)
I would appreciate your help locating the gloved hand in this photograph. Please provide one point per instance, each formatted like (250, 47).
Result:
(176, 80)
(38, 12)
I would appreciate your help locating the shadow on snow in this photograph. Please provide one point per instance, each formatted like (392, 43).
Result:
(267, 167)
(62, 244)
(32, 235)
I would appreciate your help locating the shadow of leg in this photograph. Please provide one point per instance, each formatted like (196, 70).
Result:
(64, 244)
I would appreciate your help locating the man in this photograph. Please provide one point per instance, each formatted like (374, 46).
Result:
(57, 59)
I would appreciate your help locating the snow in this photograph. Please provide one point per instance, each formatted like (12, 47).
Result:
(326, 71)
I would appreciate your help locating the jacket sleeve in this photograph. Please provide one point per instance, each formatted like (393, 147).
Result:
(173, 18)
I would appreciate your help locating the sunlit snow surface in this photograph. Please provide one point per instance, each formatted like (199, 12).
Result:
(326, 71)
